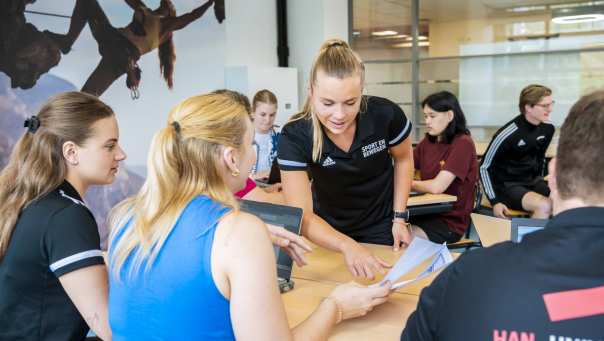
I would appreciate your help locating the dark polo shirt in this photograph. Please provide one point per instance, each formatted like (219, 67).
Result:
(549, 287)
(54, 235)
(352, 191)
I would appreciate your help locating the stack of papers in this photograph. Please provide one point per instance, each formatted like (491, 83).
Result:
(418, 252)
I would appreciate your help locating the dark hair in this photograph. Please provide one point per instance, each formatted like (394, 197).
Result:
(166, 51)
(580, 149)
(532, 95)
(444, 101)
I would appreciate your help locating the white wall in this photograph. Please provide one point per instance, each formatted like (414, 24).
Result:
(251, 55)
(282, 81)
(251, 33)
(305, 35)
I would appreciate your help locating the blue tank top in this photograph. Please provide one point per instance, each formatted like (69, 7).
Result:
(176, 298)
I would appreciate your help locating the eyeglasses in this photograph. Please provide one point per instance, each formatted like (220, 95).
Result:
(546, 106)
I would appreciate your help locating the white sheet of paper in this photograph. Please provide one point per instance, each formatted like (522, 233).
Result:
(419, 251)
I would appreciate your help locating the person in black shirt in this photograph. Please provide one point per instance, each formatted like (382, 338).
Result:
(53, 281)
(511, 170)
(550, 286)
(358, 152)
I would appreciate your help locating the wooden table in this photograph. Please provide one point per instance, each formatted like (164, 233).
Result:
(385, 322)
(491, 230)
(430, 199)
(430, 204)
(481, 148)
(329, 267)
(326, 269)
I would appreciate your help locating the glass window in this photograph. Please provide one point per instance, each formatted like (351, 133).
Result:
(484, 52)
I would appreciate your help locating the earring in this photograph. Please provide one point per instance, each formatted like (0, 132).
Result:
(235, 173)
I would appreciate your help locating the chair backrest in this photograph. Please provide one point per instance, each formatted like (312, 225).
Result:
(491, 230)
(477, 196)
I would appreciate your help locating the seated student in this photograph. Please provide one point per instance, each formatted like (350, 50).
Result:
(446, 159)
(293, 244)
(266, 139)
(185, 263)
(511, 170)
(53, 280)
(251, 191)
(549, 286)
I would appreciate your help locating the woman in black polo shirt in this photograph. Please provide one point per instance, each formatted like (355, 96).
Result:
(357, 151)
(53, 281)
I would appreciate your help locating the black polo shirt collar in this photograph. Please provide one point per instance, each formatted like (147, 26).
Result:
(364, 129)
(67, 190)
(591, 216)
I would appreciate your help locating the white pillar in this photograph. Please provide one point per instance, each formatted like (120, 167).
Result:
(251, 33)
(309, 24)
(251, 55)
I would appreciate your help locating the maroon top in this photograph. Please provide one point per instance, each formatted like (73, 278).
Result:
(459, 158)
(249, 186)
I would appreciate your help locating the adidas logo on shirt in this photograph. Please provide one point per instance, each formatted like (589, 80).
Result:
(521, 143)
(328, 162)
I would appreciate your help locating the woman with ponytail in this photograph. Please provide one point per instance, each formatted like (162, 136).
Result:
(185, 263)
(358, 152)
(53, 281)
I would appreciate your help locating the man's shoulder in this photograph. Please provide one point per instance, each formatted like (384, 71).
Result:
(548, 127)
(484, 261)
(511, 125)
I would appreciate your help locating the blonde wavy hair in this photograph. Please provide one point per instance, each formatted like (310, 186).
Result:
(184, 161)
(37, 166)
(335, 59)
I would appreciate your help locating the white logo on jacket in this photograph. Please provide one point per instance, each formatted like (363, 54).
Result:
(328, 162)
(521, 143)
(373, 148)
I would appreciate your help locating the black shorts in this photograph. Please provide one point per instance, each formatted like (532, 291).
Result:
(436, 229)
(512, 195)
